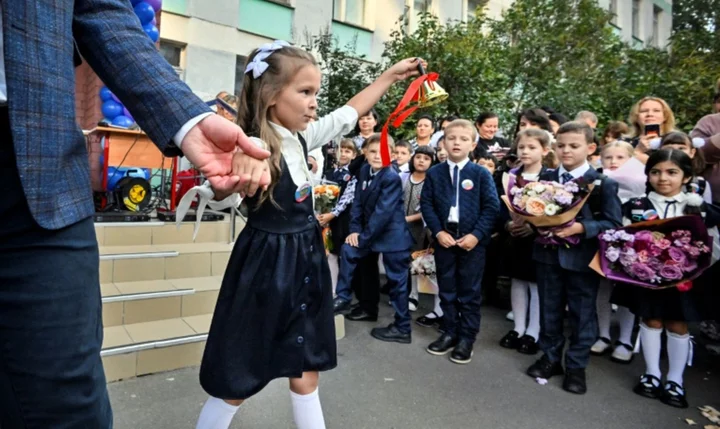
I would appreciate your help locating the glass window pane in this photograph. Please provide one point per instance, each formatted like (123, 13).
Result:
(355, 11)
(337, 10)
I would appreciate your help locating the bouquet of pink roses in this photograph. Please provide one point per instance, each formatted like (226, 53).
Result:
(656, 254)
(547, 205)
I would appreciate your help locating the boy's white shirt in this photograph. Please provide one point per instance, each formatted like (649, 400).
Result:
(339, 122)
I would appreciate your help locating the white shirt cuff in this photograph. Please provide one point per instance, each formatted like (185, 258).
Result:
(180, 135)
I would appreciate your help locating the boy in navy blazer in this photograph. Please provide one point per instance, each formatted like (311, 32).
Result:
(459, 204)
(378, 225)
(563, 274)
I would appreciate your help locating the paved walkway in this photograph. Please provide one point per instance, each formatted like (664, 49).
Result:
(391, 386)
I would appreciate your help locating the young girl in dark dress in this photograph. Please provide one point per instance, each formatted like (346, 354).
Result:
(274, 314)
(668, 172)
(532, 146)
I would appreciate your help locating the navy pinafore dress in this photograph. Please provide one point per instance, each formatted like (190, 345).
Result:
(274, 315)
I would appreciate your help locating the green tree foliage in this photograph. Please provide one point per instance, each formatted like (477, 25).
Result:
(558, 53)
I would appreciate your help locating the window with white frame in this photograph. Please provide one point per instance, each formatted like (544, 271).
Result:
(636, 18)
(473, 5)
(350, 11)
(614, 11)
(172, 52)
(657, 17)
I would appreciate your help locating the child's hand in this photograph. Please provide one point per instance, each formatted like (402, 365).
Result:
(352, 239)
(574, 229)
(252, 171)
(468, 242)
(324, 219)
(520, 230)
(405, 68)
(446, 240)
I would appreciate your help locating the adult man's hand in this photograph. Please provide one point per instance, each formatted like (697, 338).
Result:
(210, 146)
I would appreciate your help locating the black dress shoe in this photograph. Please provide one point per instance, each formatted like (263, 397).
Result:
(649, 386)
(543, 368)
(674, 395)
(510, 340)
(340, 305)
(442, 345)
(360, 315)
(429, 322)
(391, 334)
(527, 345)
(575, 381)
(462, 353)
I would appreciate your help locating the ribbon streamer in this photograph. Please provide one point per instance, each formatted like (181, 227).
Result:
(206, 195)
(402, 112)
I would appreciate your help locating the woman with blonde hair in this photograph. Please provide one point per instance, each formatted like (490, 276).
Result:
(649, 111)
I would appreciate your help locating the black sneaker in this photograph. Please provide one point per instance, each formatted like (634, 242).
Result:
(442, 345)
(674, 395)
(462, 353)
(510, 340)
(391, 334)
(543, 368)
(649, 386)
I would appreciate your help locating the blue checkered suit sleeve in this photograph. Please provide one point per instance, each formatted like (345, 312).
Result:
(112, 42)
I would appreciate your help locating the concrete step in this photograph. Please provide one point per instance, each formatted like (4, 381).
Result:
(132, 350)
(148, 301)
(158, 233)
(121, 264)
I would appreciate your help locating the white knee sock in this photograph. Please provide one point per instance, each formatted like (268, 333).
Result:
(604, 309)
(436, 306)
(678, 347)
(519, 301)
(307, 411)
(414, 288)
(533, 326)
(216, 414)
(626, 320)
(334, 270)
(650, 341)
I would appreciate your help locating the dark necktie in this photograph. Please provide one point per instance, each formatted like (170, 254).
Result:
(455, 185)
(566, 177)
(670, 203)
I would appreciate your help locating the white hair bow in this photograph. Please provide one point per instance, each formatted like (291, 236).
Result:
(258, 65)
(698, 142)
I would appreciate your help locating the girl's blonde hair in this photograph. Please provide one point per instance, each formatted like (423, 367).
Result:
(254, 108)
(619, 144)
(666, 127)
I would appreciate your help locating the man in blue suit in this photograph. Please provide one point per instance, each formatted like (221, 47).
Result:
(460, 205)
(51, 375)
(378, 226)
(563, 273)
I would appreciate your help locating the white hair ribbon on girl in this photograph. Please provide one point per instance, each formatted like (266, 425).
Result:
(698, 142)
(655, 143)
(258, 65)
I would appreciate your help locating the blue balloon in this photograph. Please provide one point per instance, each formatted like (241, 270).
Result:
(145, 12)
(152, 32)
(123, 121)
(135, 2)
(154, 21)
(112, 109)
(105, 94)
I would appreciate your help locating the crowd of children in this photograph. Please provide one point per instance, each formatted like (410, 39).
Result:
(453, 206)
(442, 192)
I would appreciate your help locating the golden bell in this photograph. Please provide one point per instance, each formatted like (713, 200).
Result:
(431, 93)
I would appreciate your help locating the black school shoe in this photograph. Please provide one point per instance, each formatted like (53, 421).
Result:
(442, 345)
(527, 345)
(575, 381)
(510, 340)
(429, 322)
(674, 395)
(391, 334)
(462, 353)
(543, 368)
(649, 386)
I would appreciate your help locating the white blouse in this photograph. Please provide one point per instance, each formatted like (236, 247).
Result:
(318, 133)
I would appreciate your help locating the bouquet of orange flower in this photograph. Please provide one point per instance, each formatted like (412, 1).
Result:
(326, 196)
